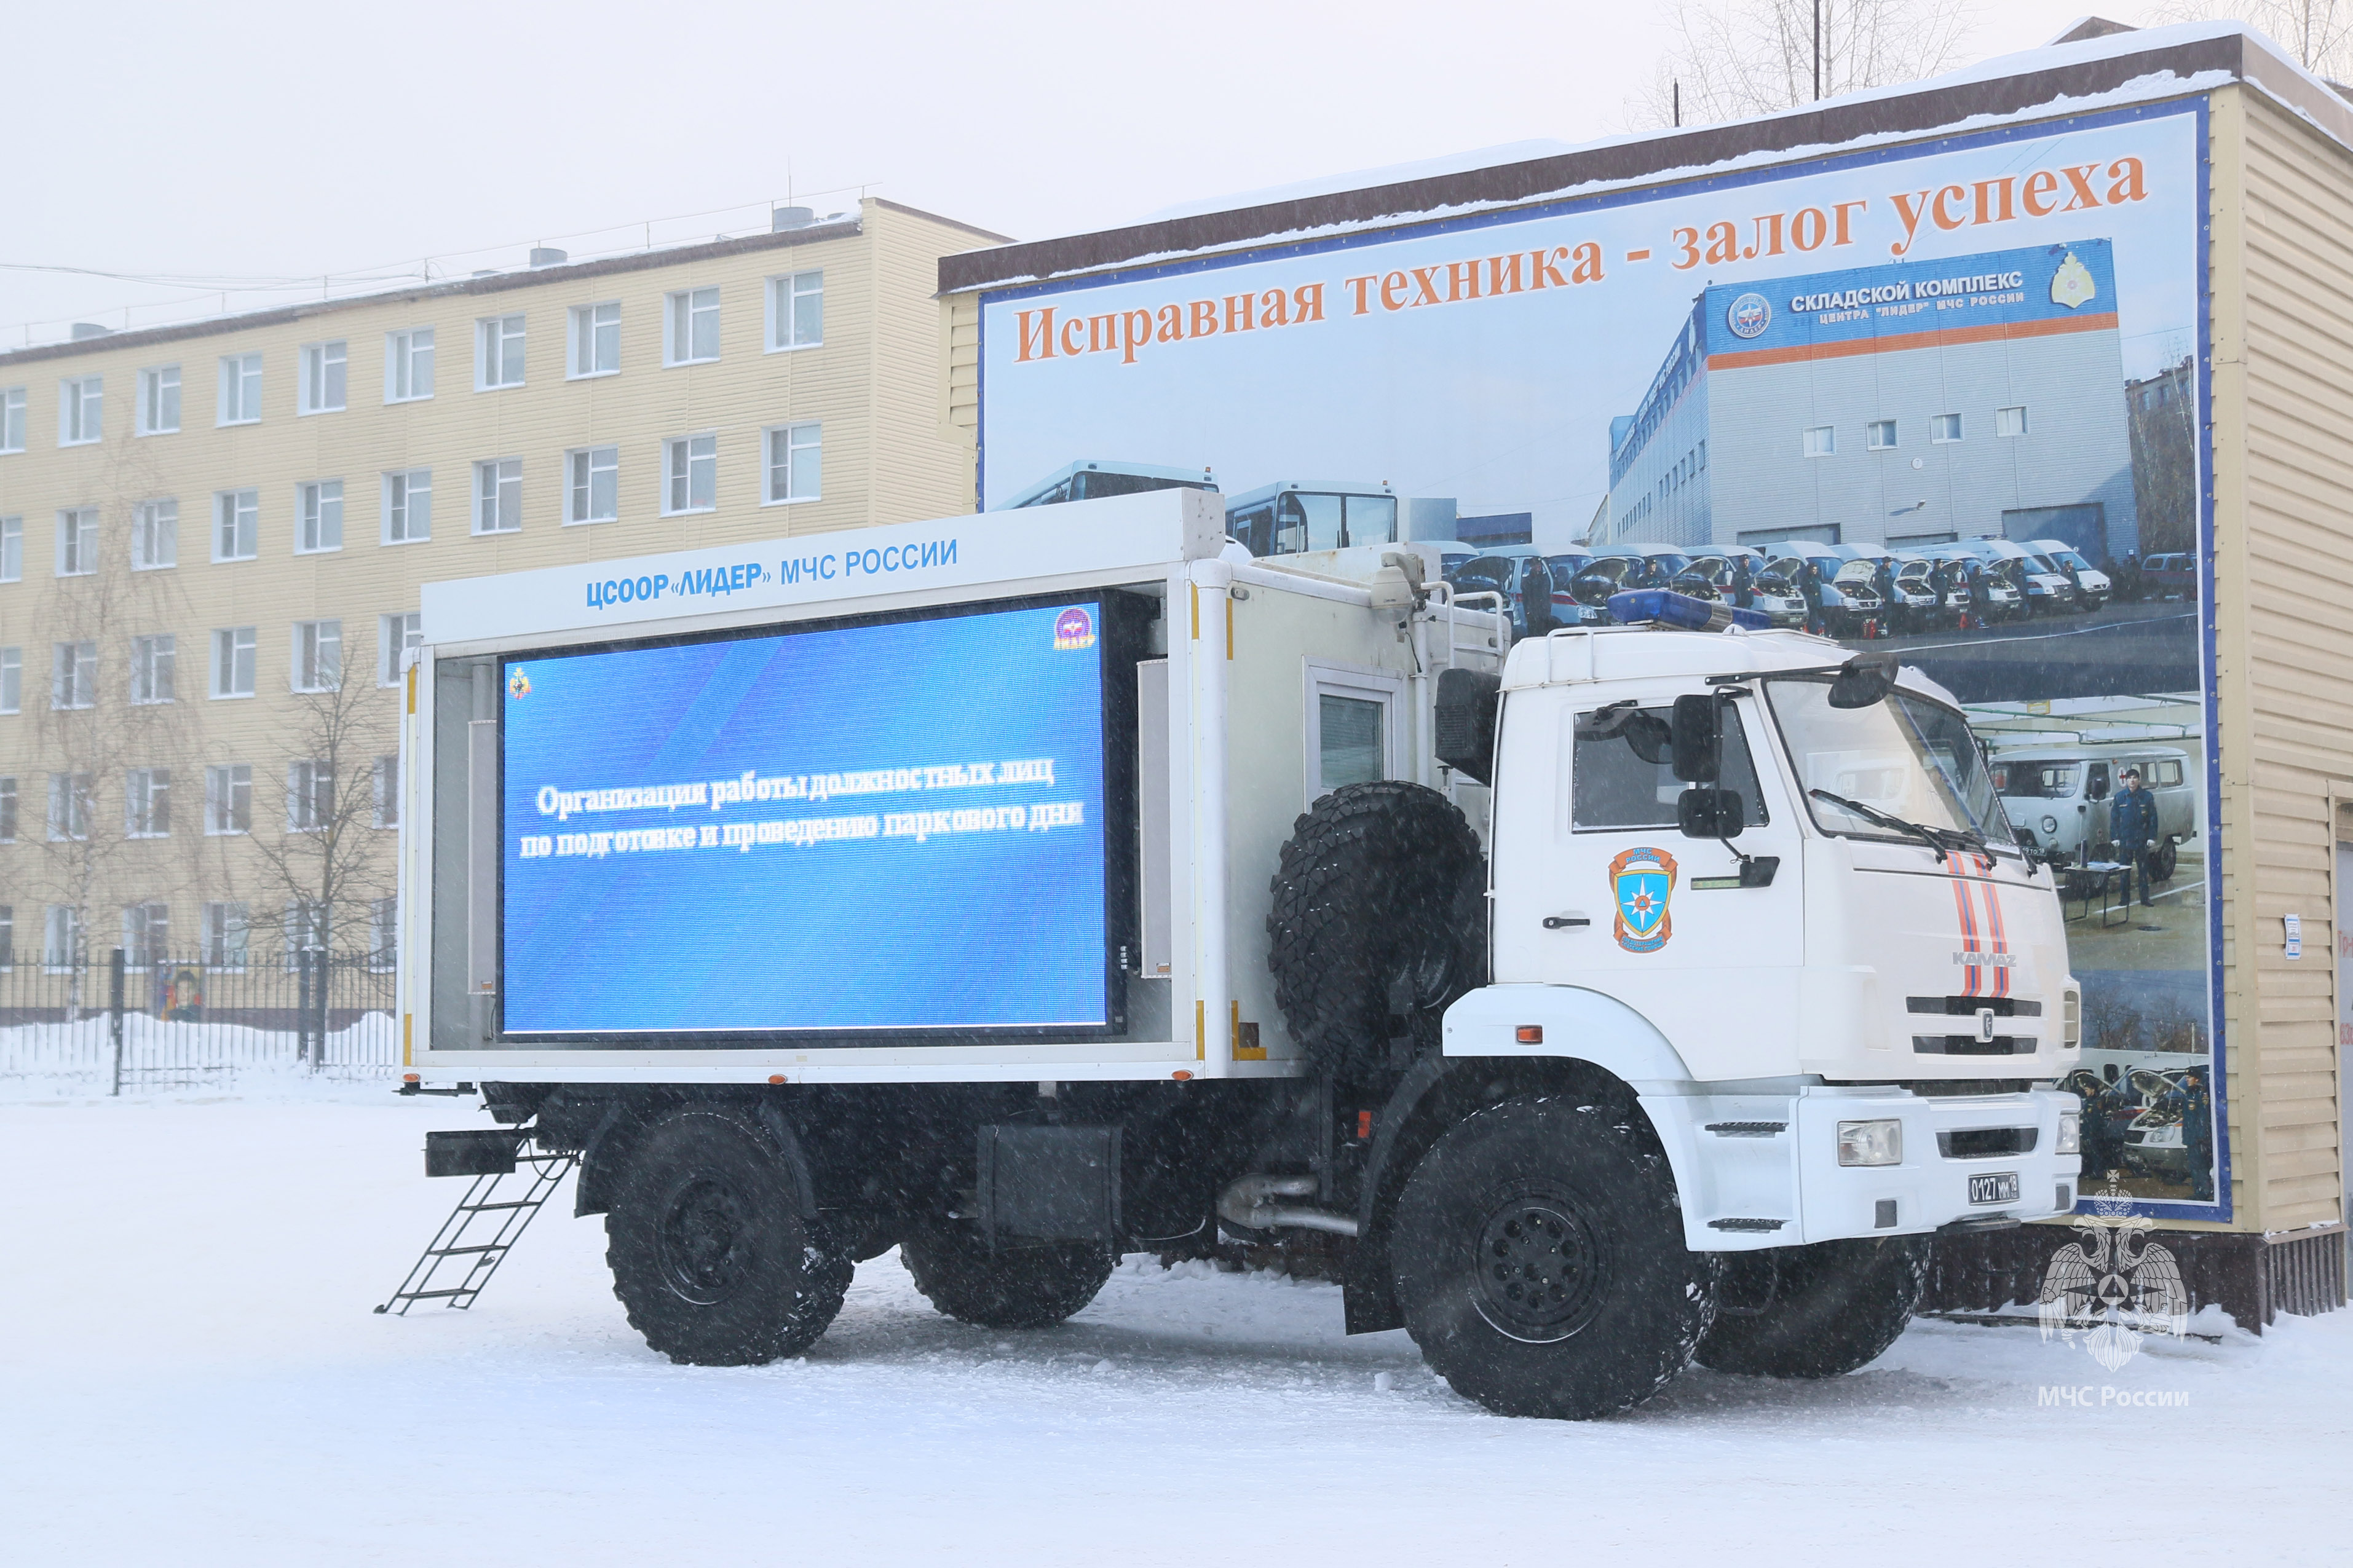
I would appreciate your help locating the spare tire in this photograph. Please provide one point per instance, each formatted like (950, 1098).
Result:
(1379, 921)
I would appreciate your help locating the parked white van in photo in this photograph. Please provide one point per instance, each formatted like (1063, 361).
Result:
(2058, 796)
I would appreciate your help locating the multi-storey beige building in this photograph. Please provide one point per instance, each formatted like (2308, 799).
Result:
(212, 538)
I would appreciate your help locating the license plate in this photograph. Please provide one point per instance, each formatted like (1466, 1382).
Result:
(2000, 1187)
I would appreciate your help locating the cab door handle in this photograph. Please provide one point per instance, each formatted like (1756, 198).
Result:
(1554, 922)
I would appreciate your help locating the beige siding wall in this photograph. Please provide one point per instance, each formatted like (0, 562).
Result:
(873, 385)
(2284, 418)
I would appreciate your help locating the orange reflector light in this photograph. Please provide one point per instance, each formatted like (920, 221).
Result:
(408, 1078)
(776, 1077)
(1529, 1034)
(1181, 1076)
(1364, 1125)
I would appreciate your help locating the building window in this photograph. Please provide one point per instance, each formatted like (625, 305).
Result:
(12, 549)
(229, 798)
(498, 351)
(237, 514)
(78, 541)
(692, 464)
(498, 495)
(68, 808)
(12, 679)
(146, 935)
(323, 378)
(159, 400)
(1945, 427)
(240, 389)
(224, 932)
(387, 792)
(147, 802)
(796, 311)
(73, 675)
(310, 795)
(408, 365)
(1879, 435)
(152, 664)
(693, 327)
(794, 459)
(12, 419)
(321, 505)
(594, 484)
(7, 811)
(307, 925)
(2010, 421)
(81, 405)
(1822, 441)
(154, 535)
(384, 933)
(409, 506)
(395, 635)
(61, 936)
(233, 661)
(597, 339)
(318, 656)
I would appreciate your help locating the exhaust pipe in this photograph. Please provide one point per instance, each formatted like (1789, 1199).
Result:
(1249, 1203)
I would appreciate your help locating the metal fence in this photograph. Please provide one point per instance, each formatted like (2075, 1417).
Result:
(113, 1020)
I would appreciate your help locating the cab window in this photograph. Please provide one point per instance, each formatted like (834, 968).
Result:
(1612, 786)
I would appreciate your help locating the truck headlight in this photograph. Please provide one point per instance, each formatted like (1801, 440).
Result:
(2049, 824)
(2070, 1133)
(1871, 1143)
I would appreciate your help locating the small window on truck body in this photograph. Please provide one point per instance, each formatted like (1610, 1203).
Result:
(1351, 727)
(1610, 787)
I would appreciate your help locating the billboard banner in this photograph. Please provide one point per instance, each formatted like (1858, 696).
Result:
(1942, 399)
(896, 826)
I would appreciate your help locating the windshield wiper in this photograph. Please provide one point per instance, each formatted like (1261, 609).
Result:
(1940, 840)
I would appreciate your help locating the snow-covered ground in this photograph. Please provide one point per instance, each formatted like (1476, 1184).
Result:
(190, 1373)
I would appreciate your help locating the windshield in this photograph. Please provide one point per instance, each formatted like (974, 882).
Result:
(1564, 567)
(2068, 558)
(1908, 757)
(1484, 575)
(2037, 780)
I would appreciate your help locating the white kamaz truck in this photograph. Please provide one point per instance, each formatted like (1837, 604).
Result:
(1024, 888)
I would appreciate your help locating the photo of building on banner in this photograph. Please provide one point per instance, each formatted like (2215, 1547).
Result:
(1942, 403)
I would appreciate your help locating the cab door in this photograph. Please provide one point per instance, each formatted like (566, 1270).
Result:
(1626, 904)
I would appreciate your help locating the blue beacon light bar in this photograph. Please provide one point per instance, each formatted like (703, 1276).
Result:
(1649, 606)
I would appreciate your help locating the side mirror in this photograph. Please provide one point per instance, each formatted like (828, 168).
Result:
(1698, 739)
(1706, 812)
(1465, 721)
(1863, 680)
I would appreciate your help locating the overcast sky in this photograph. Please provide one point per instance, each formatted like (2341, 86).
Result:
(223, 145)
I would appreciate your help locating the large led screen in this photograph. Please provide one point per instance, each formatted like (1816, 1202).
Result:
(884, 826)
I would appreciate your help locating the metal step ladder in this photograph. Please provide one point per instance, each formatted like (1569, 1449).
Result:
(484, 1226)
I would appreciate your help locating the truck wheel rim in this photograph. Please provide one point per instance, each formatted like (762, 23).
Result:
(1539, 1266)
(703, 1253)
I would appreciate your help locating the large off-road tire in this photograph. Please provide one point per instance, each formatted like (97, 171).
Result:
(1826, 1309)
(1539, 1260)
(1378, 923)
(1029, 1285)
(708, 1254)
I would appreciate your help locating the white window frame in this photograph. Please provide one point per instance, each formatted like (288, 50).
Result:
(318, 517)
(793, 443)
(227, 935)
(580, 470)
(12, 549)
(76, 540)
(384, 935)
(73, 676)
(323, 385)
(240, 390)
(2001, 420)
(1819, 441)
(12, 680)
(1364, 683)
(395, 634)
(1871, 436)
(69, 807)
(154, 662)
(303, 777)
(593, 329)
(82, 410)
(237, 517)
(13, 411)
(159, 397)
(1938, 426)
(385, 782)
(147, 802)
(146, 930)
(492, 335)
(155, 535)
(317, 664)
(235, 656)
(681, 456)
(9, 804)
(406, 352)
(785, 297)
(498, 495)
(229, 795)
(682, 313)
(407, 511)
(63, 943)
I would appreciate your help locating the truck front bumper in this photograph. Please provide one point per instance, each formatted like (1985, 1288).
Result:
(1762, 1170)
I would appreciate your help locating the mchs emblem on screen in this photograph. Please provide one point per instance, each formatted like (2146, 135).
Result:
(1074, 629)
(518, 683)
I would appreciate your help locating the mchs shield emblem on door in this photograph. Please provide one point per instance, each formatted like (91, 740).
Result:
(1641, 880)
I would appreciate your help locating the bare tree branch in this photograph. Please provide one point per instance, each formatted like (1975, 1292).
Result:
(1735, 59)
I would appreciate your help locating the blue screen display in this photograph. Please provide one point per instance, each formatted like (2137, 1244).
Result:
(873, 827)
